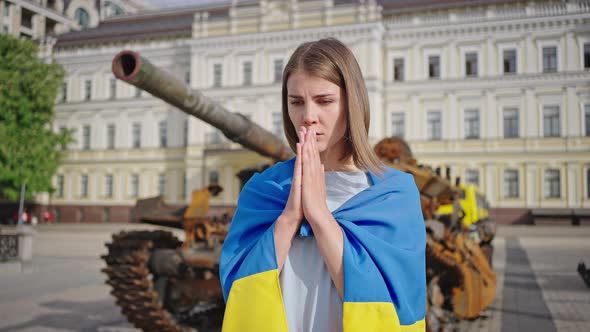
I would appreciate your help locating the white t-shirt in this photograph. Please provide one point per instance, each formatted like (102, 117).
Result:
(312, 303)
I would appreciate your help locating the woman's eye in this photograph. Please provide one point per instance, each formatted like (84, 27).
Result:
(296, 103)
(325, 102)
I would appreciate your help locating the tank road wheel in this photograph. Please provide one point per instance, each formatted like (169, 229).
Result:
(141, 294)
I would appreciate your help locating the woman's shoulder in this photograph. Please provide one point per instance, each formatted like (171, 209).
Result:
(277, 172)
(394, 174)
(395, 181)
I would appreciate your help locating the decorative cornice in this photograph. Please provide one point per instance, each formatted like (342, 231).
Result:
(343, 32)
(491, 82)
(507, 25)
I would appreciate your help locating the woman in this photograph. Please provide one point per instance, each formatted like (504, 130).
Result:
(330, 240)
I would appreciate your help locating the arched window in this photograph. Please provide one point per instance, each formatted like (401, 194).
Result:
(113, 9)
(81, 16)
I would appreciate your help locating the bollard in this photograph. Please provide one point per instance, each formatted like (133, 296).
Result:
(25, 246)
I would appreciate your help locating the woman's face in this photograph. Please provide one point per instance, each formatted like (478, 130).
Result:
(319, 104)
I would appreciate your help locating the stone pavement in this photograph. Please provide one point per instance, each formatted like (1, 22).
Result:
(538, 286)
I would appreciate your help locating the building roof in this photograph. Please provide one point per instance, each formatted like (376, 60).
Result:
(177, 22)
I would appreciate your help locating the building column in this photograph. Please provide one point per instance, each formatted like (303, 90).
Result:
(374, 76)
(489, 67)
(530, 55)
(571, 125)
(530, 118)
(416, 62)
(532, 194)
(453, 121)
(415, 119)
(293, 14)
(570, 52)
(327, 12)
(452, 60)
(228, 181)
(489, 128)
(491, 183)
(574, 185)
(15, 16)
(118, 189)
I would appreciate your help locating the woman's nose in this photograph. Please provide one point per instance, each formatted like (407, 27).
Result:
(310, 115)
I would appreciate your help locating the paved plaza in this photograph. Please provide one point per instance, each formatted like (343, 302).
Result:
(63, 290)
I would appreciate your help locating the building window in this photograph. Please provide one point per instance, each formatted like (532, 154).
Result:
(113, 88)
(185, 134)
(509, 61)
(6, 8)
(84, 185)
(549, 59)
(163, 130)
(161, 184)
(134, 185)
(108, 185)
(86, 137)
(81, 16)
(137, 92)
(433, 125)
(398, 124)
(552, 184)
(87, 89)
(511, 183)
(472, 177)
(63, 95)
(213, 177)
(111, 136)
(588, 182)
(587, 119)
(247, 70)
(277, 125)
(551, 121)
(217, 74)
(278, 70)
(26, 18)
(510, 122)
(587, 56)
(471, 64)
(434, 66)
(398, 69)
(187, 78)
(136, 135)
(60, 186)
(471, 124)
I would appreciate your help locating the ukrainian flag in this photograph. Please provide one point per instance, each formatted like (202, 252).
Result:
(383, 258)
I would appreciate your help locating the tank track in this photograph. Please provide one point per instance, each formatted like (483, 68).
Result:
(128, 274)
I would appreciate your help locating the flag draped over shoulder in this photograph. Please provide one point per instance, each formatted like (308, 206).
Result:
(383, 257)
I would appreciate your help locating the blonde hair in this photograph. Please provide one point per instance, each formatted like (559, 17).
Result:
(331, 60)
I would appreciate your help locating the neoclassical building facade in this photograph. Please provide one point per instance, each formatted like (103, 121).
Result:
(499, 91)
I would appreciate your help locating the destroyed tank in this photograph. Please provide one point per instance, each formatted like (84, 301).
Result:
(164, 284)
(461, 281)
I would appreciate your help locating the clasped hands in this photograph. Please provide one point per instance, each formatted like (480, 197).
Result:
(308, 188)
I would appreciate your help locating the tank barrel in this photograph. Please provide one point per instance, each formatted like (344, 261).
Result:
(134, 69)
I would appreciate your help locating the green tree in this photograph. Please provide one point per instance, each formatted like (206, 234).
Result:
(30, 151)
